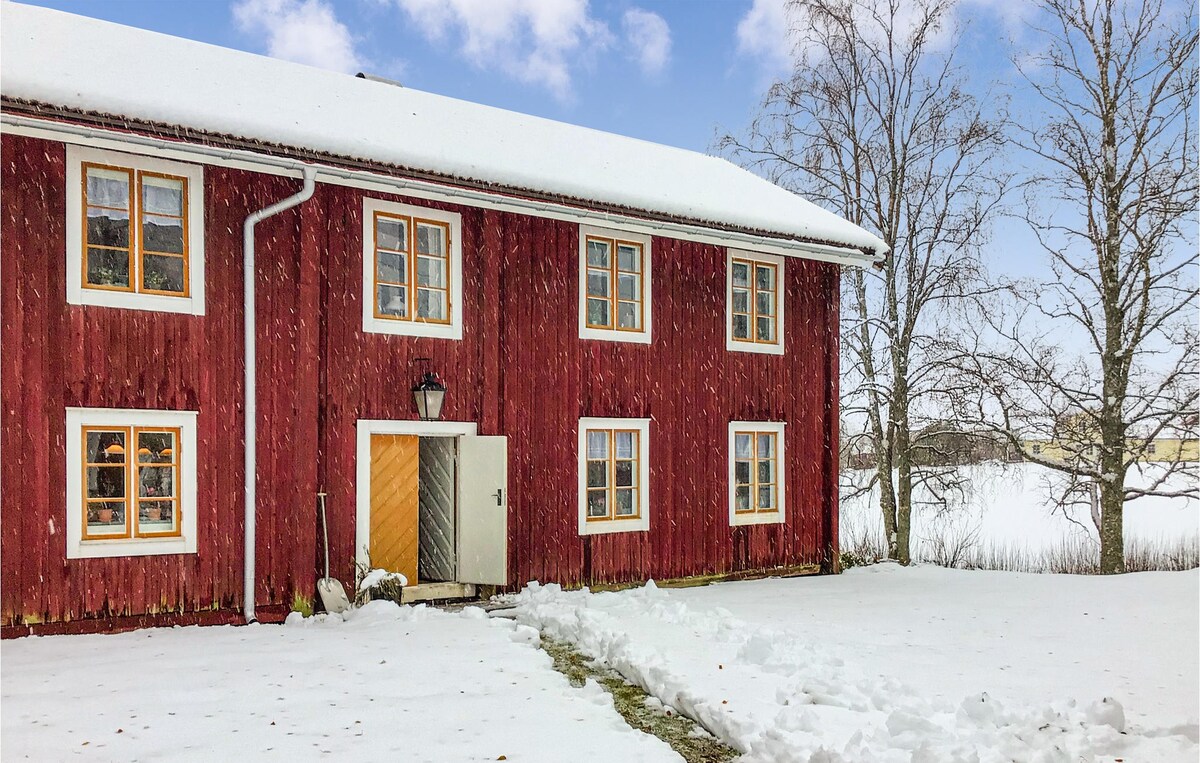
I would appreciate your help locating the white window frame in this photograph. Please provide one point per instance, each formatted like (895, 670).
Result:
(374, 325)
(614, 334)
(80, 294)
(741, 345)
(642, 523)
(185, 543)
(779, 516)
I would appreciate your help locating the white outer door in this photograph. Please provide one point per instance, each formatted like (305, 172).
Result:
(483, 510)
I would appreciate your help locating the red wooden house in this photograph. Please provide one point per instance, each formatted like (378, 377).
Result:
(639, 343)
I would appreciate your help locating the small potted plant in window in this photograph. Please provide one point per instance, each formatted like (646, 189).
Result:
(152, 279)
(153, 509)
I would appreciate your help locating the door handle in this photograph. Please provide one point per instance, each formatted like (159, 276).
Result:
(499, 497)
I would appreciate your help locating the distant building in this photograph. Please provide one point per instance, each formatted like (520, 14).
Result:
(1160, 449)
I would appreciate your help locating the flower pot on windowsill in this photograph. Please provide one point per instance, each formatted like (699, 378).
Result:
(154, 514)
(104, 516)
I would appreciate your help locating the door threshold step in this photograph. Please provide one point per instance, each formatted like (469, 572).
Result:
(437, 592)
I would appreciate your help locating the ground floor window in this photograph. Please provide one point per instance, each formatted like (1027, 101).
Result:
(613, 475)
(756, 474)
(131, 482)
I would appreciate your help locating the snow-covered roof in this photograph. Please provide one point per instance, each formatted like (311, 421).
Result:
(75, 62)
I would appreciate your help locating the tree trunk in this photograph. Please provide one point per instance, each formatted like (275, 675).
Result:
(1112, 528)
(903, 493)
(901, 436)
(887, 504)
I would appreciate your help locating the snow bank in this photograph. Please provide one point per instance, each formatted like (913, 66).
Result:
(797, 694)
(81, 63)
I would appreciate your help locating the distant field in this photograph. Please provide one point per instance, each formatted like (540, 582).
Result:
(1005, 519)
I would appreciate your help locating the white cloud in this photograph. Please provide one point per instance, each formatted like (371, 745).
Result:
(777, 33)
(763, 34)
(1014, 16)
(534, 41)
(649, 37)
(304, 31)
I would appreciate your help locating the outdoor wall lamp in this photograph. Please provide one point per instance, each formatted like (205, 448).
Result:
(429, 394)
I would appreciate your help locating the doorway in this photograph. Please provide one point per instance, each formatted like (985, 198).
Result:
(437, 517)
(414, 506)
(432, 503)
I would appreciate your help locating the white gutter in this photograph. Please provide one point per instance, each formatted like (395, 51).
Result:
(84, 134)
(251, 425)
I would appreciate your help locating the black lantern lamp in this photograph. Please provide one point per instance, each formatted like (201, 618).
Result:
(429, 394)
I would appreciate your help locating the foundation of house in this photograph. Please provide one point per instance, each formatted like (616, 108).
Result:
(437, 592)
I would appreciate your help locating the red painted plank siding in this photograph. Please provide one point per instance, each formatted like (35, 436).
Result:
(520, 370)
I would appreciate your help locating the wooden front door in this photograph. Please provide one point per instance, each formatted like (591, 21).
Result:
(395, 460)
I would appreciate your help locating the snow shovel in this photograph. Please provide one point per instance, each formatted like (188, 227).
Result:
(333, 595)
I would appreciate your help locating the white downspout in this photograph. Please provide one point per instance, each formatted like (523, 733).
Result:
(248, 278)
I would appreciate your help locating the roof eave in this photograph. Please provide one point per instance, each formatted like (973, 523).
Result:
(177, 134)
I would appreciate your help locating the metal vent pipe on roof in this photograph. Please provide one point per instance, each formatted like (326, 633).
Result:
(251, 408)
(377, 78)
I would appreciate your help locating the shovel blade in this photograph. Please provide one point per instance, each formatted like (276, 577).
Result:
(333, 595)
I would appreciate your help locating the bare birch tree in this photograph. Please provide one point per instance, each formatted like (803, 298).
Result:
(877, 123)
(1115, 214)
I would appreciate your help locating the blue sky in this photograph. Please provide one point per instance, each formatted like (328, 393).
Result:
(670, 72)
(703, 80)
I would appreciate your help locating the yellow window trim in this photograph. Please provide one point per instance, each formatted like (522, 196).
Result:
(132, 469)
(610, 489)
(135, 251)
(753, 290)
(754, 483)
(410, 285)
(613, 272)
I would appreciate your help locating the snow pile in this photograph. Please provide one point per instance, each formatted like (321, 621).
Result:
(377, 576)
(384, 682)
(81, 63)
(793, 694)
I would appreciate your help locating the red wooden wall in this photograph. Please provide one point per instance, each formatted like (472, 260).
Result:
(520, 370)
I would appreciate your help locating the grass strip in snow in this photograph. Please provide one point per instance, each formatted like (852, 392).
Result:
(639, 709)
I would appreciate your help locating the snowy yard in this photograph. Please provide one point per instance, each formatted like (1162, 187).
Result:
(410, 684)
(878, 664)
(924, 664)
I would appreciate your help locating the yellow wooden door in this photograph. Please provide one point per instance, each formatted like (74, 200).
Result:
(394, 503)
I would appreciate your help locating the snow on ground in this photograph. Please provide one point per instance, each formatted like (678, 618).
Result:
(1008, 505)
(921, 664)
(390, 683)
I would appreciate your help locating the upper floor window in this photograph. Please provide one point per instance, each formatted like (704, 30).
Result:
(613, 475)
(412, 270)
(614, 290)
(756, 484)
(754, 301)
(134, 232)
(131, 478)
